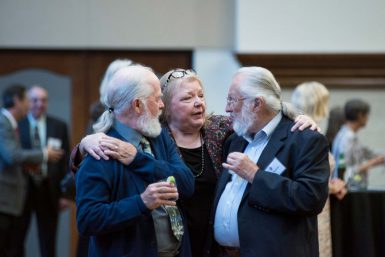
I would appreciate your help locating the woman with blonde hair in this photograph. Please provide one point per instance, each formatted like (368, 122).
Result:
(313, 99)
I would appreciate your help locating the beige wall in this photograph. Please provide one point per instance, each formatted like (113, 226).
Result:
(301, 26)
(244, 25)
(125, 24)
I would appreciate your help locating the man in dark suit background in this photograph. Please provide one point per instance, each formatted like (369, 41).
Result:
(39, 130)
(13, 181)
(274, 182)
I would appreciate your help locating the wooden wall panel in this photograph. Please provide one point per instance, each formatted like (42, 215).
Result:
(335, 70)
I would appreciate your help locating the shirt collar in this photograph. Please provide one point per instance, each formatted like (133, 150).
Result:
(347, 131)
(268, 129)
(34, 122)
(10, 117)
(129, 134)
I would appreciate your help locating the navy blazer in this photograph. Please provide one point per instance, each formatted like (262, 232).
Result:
(278, 213)
(109, 207)
(55, 128)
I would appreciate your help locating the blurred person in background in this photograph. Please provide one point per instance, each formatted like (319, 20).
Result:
(13, 179)
(335, 121)
(358, 158)
(313, 99)
(40, 130)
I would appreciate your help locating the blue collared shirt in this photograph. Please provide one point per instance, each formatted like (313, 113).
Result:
(129, 134)
(226, 221)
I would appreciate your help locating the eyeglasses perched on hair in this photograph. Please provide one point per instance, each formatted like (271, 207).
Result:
(231, 100)
(178, 74)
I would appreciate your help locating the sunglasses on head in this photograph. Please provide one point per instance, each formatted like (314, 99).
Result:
(178, 74)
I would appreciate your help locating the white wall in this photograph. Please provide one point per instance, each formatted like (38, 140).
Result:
(116, 24)
(299, 26)
(294, 26)
(215, 68)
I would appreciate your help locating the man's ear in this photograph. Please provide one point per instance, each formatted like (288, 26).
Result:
(138, 106)
(258, 101)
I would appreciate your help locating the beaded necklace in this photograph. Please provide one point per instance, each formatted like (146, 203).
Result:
(202, 154)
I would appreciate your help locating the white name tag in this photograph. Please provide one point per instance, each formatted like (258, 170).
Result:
(276, 167)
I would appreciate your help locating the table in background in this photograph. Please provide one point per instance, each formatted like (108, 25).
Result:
(358, 224)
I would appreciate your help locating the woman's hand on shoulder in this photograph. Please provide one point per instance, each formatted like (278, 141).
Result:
(303, 121)
(118, 149)
(91, 145)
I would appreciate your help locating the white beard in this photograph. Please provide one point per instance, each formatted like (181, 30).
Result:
(242, 124)
(149, 126)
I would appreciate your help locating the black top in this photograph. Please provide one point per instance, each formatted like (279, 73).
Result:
(197, 209)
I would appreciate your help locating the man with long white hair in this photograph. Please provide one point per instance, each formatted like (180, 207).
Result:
(124, 204)
(274, 181)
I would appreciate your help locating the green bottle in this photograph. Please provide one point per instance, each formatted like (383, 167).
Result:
(341, 166)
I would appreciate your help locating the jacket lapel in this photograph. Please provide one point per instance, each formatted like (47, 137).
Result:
(25, 133)
(50, 128)
(237, 145)
(274, 145)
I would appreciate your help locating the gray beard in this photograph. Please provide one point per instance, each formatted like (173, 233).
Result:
(241, 125)
(149, 126)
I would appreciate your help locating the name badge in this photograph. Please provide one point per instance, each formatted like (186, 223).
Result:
(276, 167)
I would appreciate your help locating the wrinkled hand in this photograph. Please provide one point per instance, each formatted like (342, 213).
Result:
(337, 187)
(99, 145)
(303, 121)
(158, 194)
(90, 145)
(241, 165)
(118, 149)
(54, 155)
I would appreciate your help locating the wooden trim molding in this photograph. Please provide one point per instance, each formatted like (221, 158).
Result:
(334, 70)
